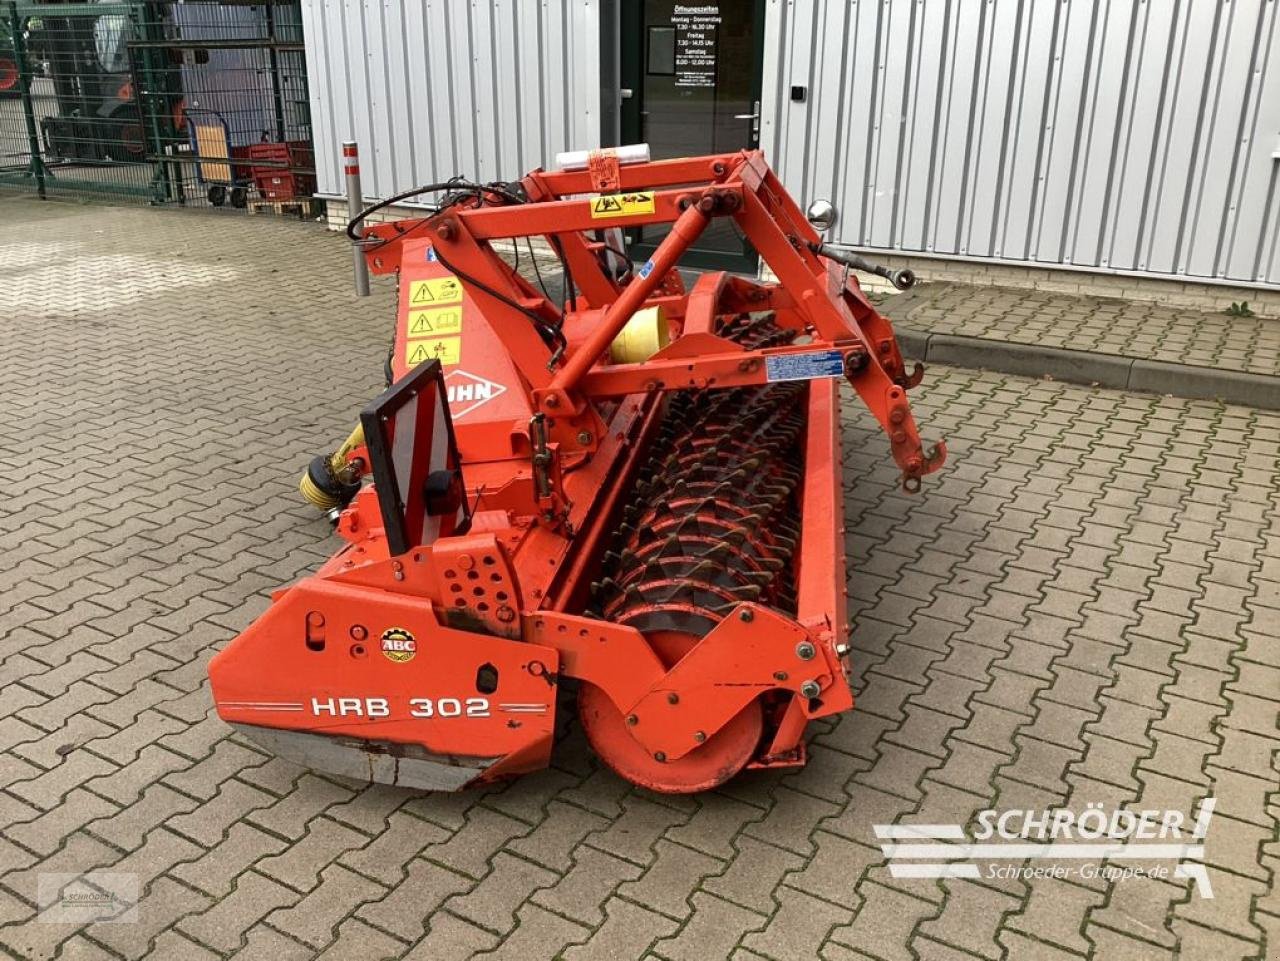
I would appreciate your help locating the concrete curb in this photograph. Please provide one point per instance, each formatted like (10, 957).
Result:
(1103, 370)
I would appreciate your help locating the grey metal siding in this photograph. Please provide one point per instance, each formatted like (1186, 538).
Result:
(1137, 136)
(1131, 135)
(434, 88)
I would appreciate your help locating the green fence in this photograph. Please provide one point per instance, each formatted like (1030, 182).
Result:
(198, 102)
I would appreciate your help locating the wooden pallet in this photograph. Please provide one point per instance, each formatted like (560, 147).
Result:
(303, 208)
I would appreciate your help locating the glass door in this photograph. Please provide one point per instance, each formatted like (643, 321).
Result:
(691, 77)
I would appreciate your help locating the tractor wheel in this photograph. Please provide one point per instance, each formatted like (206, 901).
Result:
(239, 197)
(217, 195)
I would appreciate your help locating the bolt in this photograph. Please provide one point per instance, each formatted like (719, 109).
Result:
(718, 168)
(805, 651)
(810, 689)
(699, 736)
(551, 401)
(673, 698)
(445, 231)
(632, 720)
(359, 632)
(897, 416)
(660, 757)
(707, 203)
(780, 675)
(746, 614)
(585, 438)
(856, 362)
(506, 614)
(466, 561)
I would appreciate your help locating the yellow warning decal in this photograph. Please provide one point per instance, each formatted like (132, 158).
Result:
(623, 205)
(437, 290)
(432, 323)
(447, 350)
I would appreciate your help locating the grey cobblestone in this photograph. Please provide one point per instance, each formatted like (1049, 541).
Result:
(1096, 324)
(1080, 608)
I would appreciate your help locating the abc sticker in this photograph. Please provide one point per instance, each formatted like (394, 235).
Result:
(398, 645)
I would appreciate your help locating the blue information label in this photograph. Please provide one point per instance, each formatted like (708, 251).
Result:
(431, 255)
(647, 269)
(821, 363)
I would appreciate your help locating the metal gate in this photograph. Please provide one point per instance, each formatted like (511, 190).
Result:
(199, 102)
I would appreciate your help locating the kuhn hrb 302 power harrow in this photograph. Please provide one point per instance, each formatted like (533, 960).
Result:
(638, 489)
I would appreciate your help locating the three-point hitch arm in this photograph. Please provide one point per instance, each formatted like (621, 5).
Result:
(839, 332)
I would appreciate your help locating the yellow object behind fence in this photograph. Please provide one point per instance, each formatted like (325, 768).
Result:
(211, 148)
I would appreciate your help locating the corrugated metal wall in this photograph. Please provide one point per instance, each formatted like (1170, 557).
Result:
(434, 88)
(1131, 135)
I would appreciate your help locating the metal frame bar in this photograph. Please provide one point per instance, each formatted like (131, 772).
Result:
(740, 185)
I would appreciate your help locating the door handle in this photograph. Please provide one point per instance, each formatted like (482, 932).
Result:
(754, 117)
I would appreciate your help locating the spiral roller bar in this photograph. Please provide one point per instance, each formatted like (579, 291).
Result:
(713, 520)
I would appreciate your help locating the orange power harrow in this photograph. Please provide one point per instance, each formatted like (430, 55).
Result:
(638, 489)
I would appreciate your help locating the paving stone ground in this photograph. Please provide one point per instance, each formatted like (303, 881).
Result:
(1082, 607)
(1136, 329)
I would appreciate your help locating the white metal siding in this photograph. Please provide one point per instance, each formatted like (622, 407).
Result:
(1130, 135)
(434, 88)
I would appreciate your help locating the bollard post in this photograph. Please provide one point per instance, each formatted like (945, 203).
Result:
(355, 204)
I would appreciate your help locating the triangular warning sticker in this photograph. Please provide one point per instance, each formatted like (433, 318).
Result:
(608, 205)
(420, 325)
(419, 355)
(422, 295)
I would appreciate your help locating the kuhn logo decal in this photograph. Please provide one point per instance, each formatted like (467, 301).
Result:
(398, 645)
(467, 392)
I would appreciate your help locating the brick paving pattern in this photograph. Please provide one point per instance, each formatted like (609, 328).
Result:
(1141, 330)
(1082, 607)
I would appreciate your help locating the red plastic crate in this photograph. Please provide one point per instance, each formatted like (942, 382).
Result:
(273, 180)
(282, 186)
